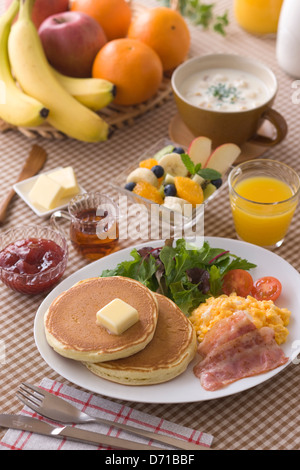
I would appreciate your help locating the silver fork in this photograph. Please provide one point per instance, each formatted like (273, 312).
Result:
(53, 407)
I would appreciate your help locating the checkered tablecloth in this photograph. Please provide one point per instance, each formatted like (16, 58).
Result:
(265, 417)
(99, 407)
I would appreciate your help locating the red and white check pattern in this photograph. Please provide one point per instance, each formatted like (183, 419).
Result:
(97, 406)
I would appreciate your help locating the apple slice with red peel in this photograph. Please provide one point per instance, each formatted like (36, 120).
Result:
(223, 157)
(199, 150)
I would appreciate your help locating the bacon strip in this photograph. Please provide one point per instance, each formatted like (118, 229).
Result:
(246, 355)
(225, 330)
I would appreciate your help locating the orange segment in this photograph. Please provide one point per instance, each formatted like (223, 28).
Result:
(189, 190)
(148, 163)
(146, 190)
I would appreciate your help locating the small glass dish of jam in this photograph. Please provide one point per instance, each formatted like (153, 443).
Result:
(32, 258)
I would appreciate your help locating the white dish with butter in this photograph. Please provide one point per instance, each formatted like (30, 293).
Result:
(186, 387)
(223, 89)
(23, 189)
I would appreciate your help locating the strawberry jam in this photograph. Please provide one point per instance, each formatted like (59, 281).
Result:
(31, 265)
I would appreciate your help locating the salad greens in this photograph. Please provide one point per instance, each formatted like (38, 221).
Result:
(186, 274)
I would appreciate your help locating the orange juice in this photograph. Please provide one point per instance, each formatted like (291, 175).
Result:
(262, 209)
(258, 16)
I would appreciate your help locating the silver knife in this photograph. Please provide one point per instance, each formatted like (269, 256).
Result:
(60, 410)
(26, 423)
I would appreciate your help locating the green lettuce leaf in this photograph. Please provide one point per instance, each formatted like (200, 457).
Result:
(139, 269)
(169, 274)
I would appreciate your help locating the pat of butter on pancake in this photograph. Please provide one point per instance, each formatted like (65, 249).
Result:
(117, 316)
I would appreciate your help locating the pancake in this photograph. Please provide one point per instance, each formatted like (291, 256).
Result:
(169, 353)
(70, 322)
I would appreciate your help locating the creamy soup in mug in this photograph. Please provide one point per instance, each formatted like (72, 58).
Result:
(222, 89)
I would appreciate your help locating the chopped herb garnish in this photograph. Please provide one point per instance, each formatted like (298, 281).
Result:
(224, 93)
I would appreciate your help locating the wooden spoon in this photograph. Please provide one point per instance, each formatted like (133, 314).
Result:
(33, 164)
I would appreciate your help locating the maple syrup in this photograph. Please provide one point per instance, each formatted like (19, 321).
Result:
(93, 235)
(93, 224)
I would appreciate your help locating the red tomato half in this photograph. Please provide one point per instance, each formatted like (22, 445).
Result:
(266, 288)
(238, 281)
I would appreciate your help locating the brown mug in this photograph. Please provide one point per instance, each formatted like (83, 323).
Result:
(237, 127)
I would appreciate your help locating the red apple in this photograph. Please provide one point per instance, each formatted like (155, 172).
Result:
(199, 150)
(223, 157)
(44, 8)
(71, 40)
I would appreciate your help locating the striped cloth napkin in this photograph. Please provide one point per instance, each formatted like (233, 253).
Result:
(100, 407)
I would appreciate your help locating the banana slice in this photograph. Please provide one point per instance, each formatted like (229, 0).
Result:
(175, 203)
(173, 165)
(142, 174)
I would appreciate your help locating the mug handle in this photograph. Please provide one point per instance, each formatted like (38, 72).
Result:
(278, 121)
(54, 221)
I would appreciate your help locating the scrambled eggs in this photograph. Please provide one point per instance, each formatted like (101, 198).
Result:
(262, 313)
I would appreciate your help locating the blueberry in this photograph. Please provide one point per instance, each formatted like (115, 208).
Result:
(217, 183)
(170, 190)
(130, 186)
(178, 150)
(158, 171)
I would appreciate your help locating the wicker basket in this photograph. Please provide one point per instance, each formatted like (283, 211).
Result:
(116, 116)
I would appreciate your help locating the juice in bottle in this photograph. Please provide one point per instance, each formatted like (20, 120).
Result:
(262, 209)
(258, 16)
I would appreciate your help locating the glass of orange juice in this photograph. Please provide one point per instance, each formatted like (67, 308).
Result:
(263, 196)
(258, 16)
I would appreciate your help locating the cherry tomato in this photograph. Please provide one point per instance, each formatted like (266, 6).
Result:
(266, 288)
(238, 281)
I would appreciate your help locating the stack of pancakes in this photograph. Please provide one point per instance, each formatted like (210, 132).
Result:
(157, 348)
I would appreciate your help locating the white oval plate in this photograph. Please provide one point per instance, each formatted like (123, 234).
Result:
(185, 388)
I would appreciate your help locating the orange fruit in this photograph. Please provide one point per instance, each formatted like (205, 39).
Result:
(132, 66)
(189, 190)
(165, 31)
(148, 191)
(113, 15)
(148, 163)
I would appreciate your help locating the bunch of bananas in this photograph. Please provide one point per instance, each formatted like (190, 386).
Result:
(32, 91)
